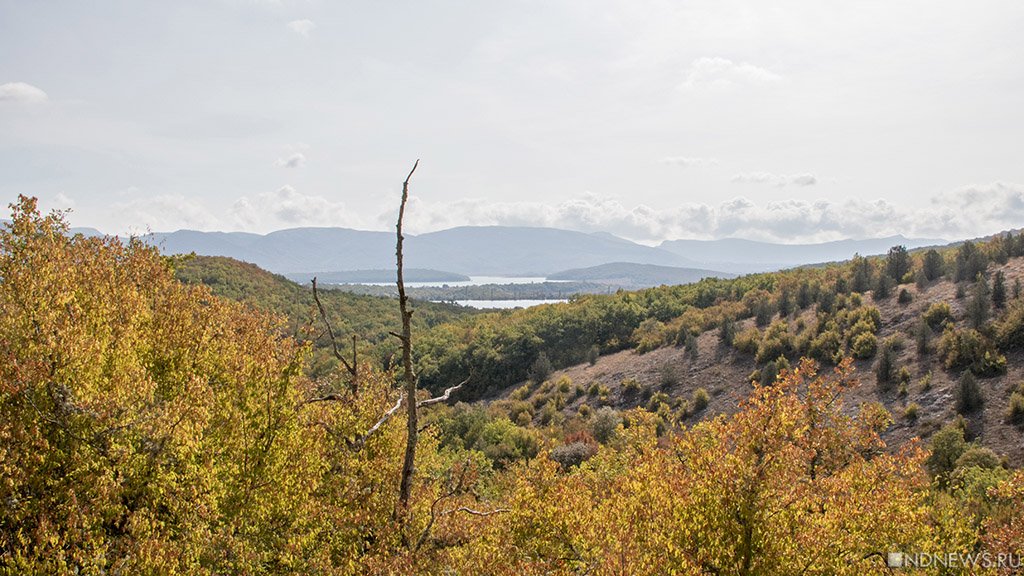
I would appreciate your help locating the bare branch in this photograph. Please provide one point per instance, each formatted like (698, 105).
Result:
(443, 397)
(353, 367)
(476, 512)
(361, 441)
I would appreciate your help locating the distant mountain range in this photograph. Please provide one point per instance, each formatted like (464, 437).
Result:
(502, 250)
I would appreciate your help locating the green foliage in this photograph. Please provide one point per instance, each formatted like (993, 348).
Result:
(504, 443)
(826, 346)
(922, 336)
(897, 263)
(1009, 332)
(933, 265)
(968, 394)
(969, 263)
(938, 313)
(904, 297)
(960, 349)
(700, 399)
(604, 424)
(999, 290)
(947, 445)
(1015, 408)
(593, 354)
(911, 411)
(864, 345)
(541, 368)
(885, 367)
(979, 305)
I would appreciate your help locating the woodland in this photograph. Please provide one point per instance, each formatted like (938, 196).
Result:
(196, 415)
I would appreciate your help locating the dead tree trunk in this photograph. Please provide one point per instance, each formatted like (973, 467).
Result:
(408, 376)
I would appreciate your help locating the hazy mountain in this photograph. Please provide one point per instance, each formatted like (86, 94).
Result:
(376, 276)
(502, 250)
(737, 255)
(637, 275)
(486, 250)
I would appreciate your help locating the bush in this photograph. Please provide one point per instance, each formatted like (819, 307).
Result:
(922, 336)
(573, 454)
(594, 389)
(938, 314)
(668, 376)
(885, 367)
(564, 384)
(968, 394)
(604, 424)
(1015, 409)
(947, 445)
(904, 297)
(864, 346)
(593, 354)
(503, 442)
(826, 346)
(631, 386)
(926, 382)
(1010, 331)
(970, 349)
(541, 368)
(700, 399)
(769, 348)
(977, 456)
(727, 331)
(911, 411)
(748, 340)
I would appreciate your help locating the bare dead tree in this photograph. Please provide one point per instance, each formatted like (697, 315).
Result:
(408, 376)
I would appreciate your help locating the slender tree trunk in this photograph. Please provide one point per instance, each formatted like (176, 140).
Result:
(408, 376)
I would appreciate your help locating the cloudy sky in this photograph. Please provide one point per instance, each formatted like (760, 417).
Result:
(787, 120)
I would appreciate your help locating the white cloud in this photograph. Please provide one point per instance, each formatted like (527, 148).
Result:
(967, 212)
(289, 208)
(724, 73)
(167, 212)
(22, 92)
(688, 161)
(296, 160)
(775, 179)
(301, 27)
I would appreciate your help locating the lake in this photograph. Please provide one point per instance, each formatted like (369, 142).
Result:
(505, 304)
(473, 281)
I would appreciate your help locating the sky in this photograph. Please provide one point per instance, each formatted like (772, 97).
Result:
(788, 121)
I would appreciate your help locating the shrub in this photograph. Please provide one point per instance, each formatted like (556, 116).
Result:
(947, 445)
(999, 290)
(938, 314)
(584, 411)
(564, 384)
(968, 394)
(604, 424)
(977, 456)
(631, 386)
(903, 375)
(769, 348)
(1010, 331)
(700, 399)
(668, 376)
(922, 336)
(926, 382)
(727, 331)
(970, 349)
(1015, 410)
(541, 368)
(748, 340)
(911, 411)
(885, 367)
(904, 297)
(593, 354)
(864, 345)
(594, 389)
(503, 442)
(826, 346)
(573, 454)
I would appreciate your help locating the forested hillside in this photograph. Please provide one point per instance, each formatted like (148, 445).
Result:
(370, 318)
(149, 426)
